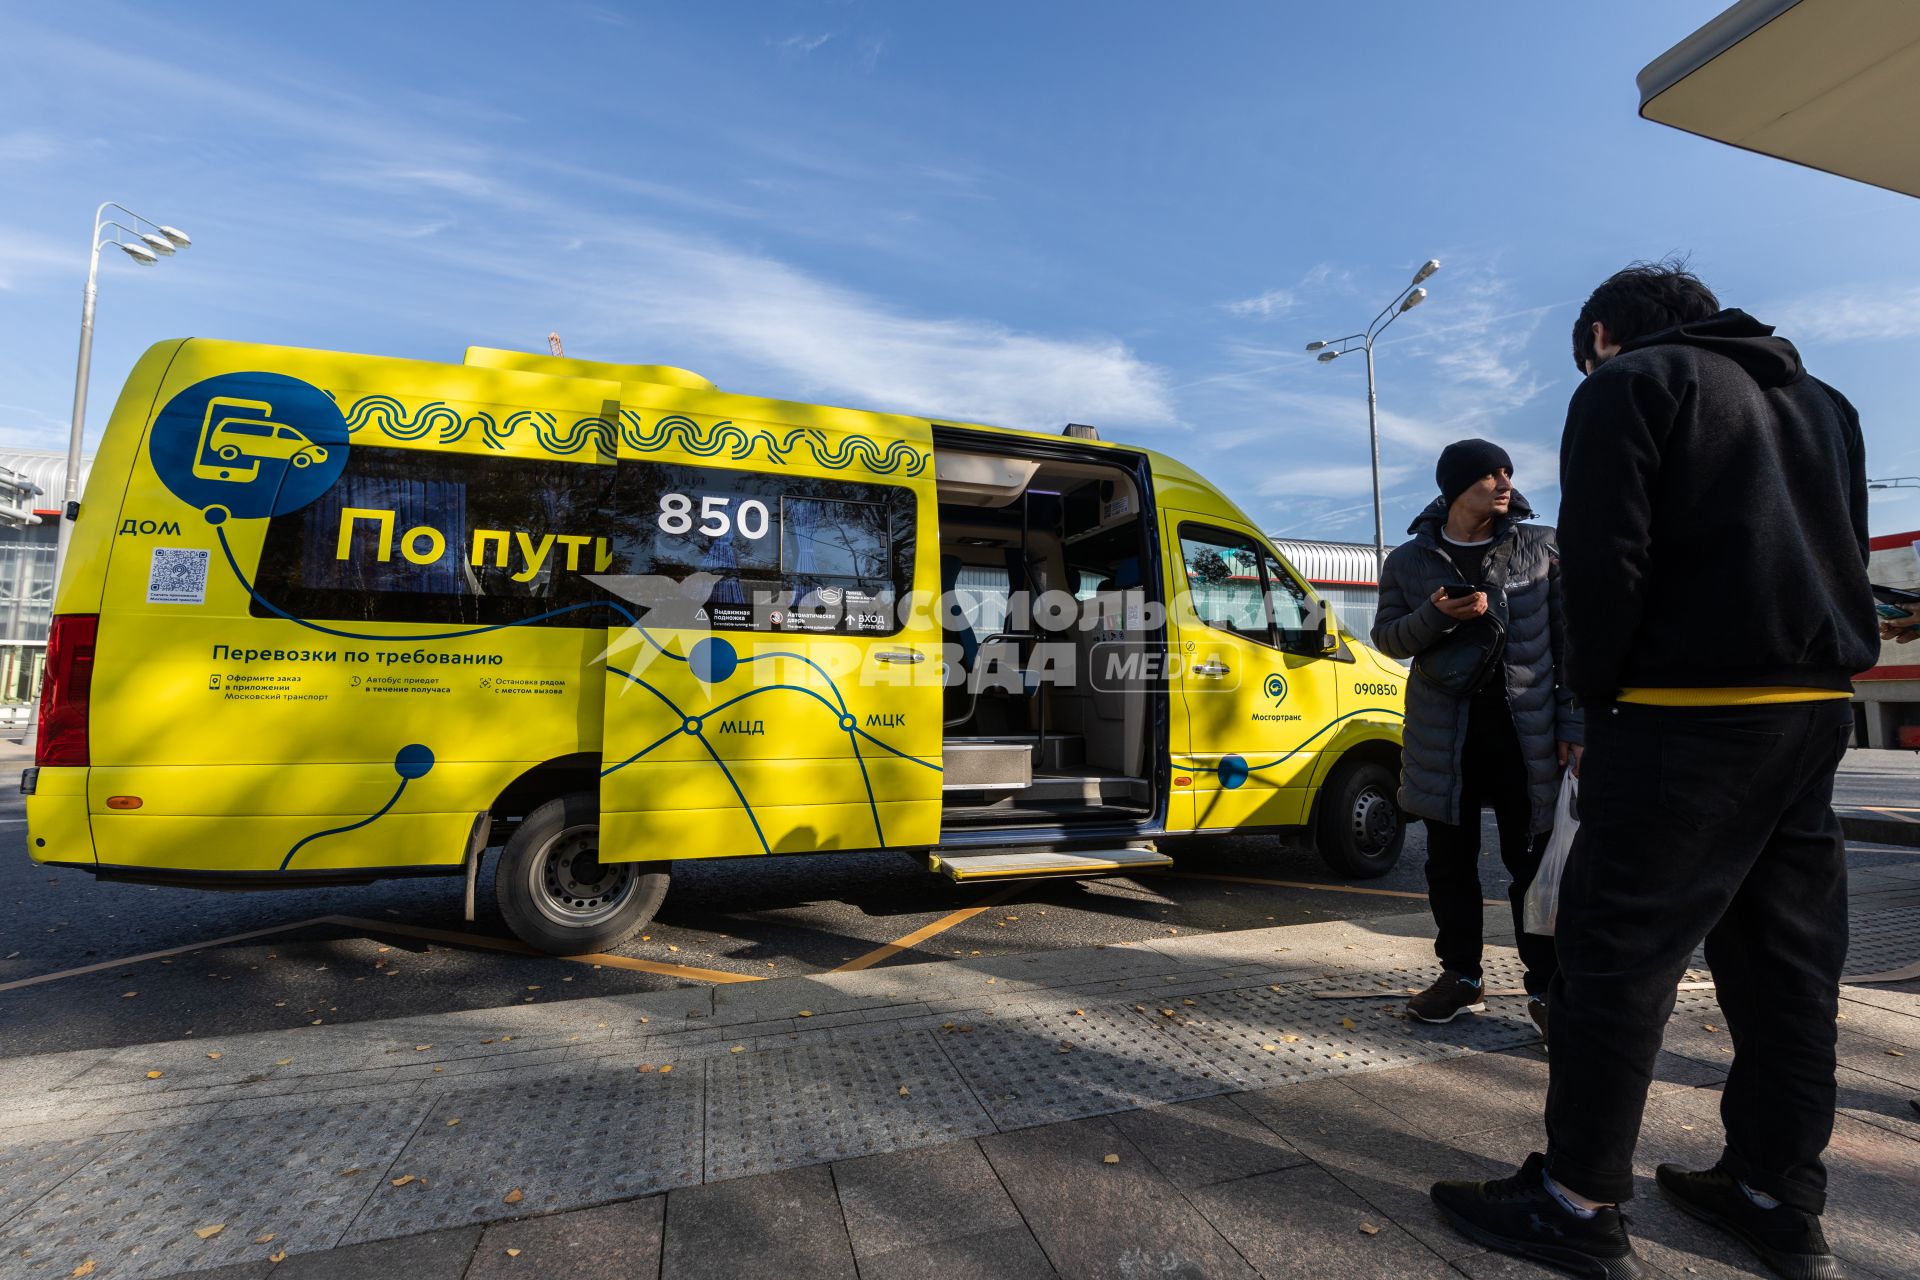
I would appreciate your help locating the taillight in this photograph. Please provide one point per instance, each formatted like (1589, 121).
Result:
(65, 690)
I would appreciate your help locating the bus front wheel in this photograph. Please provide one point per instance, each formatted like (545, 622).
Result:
(1361, 827)
(556, 894)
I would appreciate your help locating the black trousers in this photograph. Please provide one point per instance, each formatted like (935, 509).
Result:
(1715, 824)
(1493, 775)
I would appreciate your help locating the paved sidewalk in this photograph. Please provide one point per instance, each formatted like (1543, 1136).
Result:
(1877, 795)
(950, 1118)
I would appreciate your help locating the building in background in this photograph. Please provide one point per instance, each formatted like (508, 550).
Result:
(1886, 699)
(1346, 574)
(26, 580)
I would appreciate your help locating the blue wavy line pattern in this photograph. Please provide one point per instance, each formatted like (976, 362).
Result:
(388, 416)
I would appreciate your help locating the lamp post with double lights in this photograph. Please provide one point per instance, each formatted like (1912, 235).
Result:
(1332, 349)
(146, 247)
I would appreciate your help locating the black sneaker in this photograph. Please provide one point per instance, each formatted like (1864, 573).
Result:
(1519, 1215)
(1537, 1010)
(1448, 998)
(1787, 1239)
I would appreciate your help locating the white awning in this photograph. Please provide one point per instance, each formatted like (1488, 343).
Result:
(1831, 84)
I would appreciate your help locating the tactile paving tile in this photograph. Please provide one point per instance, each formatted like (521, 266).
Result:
(29, 1170)
(1883, 941)
(827, 1100)
(136, 1209)
(1114, 1063)
(562, 1142)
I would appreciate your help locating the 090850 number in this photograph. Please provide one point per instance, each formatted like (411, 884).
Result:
(717, 516)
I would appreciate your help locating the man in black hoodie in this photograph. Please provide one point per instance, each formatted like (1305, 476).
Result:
(1713, 534)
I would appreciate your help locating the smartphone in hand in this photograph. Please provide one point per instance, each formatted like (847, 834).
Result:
(1459, 590)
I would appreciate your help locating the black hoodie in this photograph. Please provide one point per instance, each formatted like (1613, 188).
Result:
(1713, 518)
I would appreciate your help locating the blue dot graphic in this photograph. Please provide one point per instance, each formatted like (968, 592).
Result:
(216, 514)
(413, 761)
(713, 660)
(690, 725)
(1233, 771)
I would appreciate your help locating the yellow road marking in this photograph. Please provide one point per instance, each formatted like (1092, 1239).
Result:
(403, 930)
(924, 932)
(1308, 884)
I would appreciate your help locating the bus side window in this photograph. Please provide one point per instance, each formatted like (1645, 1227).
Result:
(1223, 576)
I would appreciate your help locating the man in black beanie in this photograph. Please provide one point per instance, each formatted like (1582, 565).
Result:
(1474, 600)
(1701, 465)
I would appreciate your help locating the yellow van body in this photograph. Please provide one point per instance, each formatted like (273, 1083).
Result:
(356, 616)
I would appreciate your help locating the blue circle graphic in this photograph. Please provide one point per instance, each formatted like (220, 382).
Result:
(1233, 771)
(849, 724)
(713, 660)
(250, 444)
(413, 761)
(1276, 687)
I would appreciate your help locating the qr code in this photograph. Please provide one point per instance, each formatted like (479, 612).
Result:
(178, 576)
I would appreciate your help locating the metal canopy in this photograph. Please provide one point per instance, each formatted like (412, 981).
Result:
(1831, 84)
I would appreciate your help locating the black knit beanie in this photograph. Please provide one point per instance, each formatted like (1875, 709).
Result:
(1465, 462)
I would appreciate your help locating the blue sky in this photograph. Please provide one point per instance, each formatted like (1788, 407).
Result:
(1128, 214)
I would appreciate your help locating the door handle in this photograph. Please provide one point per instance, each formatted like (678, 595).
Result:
(1212, 668)
(907, 656)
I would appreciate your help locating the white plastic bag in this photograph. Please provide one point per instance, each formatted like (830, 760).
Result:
(1542, 908)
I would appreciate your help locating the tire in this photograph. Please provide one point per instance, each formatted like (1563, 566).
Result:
(1360, 829)
(301, 460)
(556, 894)
(228, 453)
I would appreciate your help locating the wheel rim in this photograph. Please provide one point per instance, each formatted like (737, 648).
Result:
(572, 887)
(1375, 821)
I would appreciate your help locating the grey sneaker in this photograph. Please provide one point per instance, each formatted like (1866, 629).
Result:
(1449, 997)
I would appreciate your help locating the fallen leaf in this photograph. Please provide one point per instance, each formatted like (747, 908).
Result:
(666, 1068)
(421, 1048)
(671, 947)
(265, 1239)
(402, 1180)
(991, 981)
(1110, 1158)
(806, 1013)
(1139, 1008)
(215, 1056)
(128, 995)
(277, 1258)
(1271, 1048)
(739, 1048)
(284, 1062)
(84, 1269)
(534, 987)
(1186, 1002)
(208, 1233)
(645, 1066)
(453, 1122)
(905, 1092)
(1079, 1013)
(513, 1253)
(1895, 1053)
(512, 1197)
(1367, 1228)
(348, 1173)
(1346, 1023)
(1709, 1026)
(155, 1075)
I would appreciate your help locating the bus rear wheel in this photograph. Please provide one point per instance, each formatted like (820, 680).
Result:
(556, 894)
(1361, 827)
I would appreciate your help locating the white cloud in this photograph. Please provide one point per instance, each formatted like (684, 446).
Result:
(835, 343)
(1328, 480)
(803, 43)
(24, 254)
(27, 146)
(1274, 302)
(1870, 314)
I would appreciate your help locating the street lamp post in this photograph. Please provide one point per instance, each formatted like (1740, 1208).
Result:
(1333, 348)
(145, 247)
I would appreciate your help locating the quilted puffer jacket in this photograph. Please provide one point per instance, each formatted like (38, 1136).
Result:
(1523, 570)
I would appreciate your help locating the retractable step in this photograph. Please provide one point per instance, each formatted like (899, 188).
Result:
(998, 864)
